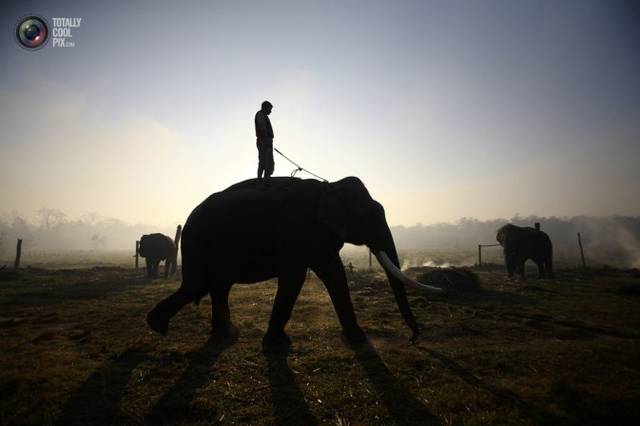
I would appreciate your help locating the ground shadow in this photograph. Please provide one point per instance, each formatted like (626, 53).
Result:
(400, 403)
(587, 409)
(503, 396)
(97, 400)
(175, 404)
(289, 405)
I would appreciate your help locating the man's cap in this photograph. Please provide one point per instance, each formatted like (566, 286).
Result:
(266, 104)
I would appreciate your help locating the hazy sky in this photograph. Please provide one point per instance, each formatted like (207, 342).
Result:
(445, 109)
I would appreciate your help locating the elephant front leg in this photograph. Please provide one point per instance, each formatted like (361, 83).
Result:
(174, 266)
(289, 285)
(510, 263)
(221, 325)
(334, 278)
(148, 267)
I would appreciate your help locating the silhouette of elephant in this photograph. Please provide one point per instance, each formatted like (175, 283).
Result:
(156, 248)
(252, 232)
(523, 243)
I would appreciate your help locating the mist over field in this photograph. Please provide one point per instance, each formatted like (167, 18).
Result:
(50, 234)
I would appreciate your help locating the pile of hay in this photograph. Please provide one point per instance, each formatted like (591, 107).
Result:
(452, 280)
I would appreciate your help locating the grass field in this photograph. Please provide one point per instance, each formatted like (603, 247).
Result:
(76, 350)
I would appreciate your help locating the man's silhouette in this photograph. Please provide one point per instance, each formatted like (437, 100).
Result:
(264, 135)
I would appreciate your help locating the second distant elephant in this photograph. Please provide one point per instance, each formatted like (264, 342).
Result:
(156, 248)
(521, 243)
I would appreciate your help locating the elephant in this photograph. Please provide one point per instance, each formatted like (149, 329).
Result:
(155, 248)
(522, 243)
(252, 232)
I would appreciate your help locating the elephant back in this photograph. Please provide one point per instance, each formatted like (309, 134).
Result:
(156, 246)
(512, 236)
(245, 202)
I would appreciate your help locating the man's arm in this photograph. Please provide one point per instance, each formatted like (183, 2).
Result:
(261, 125)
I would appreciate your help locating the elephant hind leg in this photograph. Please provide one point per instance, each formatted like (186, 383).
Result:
(521, 268)
(158, 318)
(221, 325)
(549, 268)
(541, 272)
(167, 266)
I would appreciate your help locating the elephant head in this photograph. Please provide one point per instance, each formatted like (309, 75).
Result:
(348, 211)
(142, 247)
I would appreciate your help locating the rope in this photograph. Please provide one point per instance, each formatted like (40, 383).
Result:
(298, 167)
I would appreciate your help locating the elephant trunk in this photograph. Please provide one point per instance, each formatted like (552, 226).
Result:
(388, 258)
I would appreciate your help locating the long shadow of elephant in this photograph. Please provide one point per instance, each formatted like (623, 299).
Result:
(289, 405)
(503, 396)
(404, 407)
(97, 400)
(175, 404)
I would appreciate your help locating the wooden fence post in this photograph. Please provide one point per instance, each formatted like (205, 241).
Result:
(584, 264)
(176, 241)
(16, 264)
(479, 254)
(137, 248)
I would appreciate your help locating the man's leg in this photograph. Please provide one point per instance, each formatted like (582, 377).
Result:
(261, 162)
(270, 163)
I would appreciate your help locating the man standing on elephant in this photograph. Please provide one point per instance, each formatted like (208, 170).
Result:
(264, 135)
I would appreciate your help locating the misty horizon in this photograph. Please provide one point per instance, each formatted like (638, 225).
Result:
(611, 240)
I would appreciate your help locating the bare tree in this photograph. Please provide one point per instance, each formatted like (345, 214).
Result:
(91, 218)
(48, 217)
(99, 241)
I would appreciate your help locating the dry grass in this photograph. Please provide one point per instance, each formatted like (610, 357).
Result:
(76, 350)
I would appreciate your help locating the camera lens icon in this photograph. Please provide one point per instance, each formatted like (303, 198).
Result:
(32, 32)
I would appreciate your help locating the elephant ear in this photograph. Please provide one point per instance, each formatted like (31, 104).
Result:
(332, 214)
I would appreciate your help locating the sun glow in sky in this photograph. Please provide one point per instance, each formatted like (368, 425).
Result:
(445, 109)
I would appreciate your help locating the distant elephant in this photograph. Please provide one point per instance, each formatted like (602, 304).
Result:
(522, 243)
(252, 232)
(155, 248)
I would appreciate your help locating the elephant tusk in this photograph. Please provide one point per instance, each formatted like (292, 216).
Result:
(388, 266)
